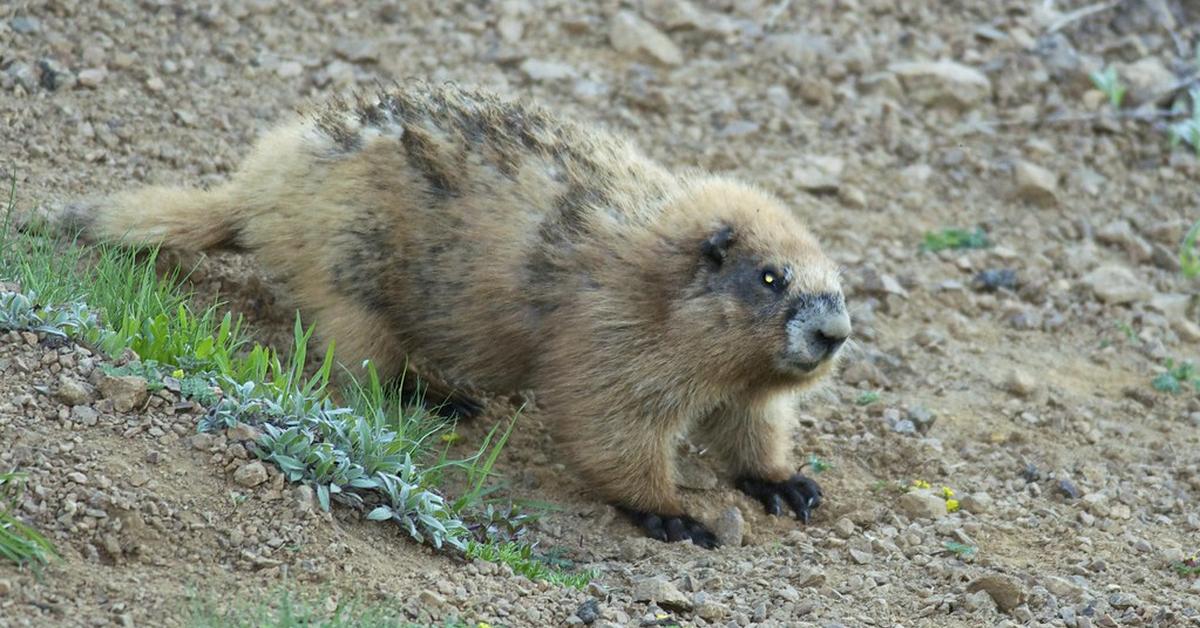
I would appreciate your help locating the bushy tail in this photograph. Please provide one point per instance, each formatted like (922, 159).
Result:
(175, 218)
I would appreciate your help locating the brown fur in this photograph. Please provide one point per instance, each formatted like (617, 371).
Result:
(513, 250)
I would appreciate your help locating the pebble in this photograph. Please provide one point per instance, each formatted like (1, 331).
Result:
(73, 392)
(92, 77)
(85, 415)
(1035, 183)
(943, 83)
(922, 504)
(127, 392)
(730, 527)
(844, 527)
(1145, 79)
(630, 34)
(55, 75)
(1005, 590)
(6, 587)
(25, 25)
(1020, 383)
(659, 589)
(251, 474)
(1116, 284)
(78, 478)
(993, 279)
(540, 70)
(819, 173)
(589, 611)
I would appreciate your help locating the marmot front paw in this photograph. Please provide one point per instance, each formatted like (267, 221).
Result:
(672, 528)
(800, 493)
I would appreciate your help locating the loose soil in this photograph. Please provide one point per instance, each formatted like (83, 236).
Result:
(1078, 482)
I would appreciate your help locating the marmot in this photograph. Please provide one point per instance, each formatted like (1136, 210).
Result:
(513, 250)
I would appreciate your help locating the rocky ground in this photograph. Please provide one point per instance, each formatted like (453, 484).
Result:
(1028, 393)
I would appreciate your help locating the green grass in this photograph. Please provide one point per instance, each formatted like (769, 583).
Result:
(19, 543)
(867, 398)
(374, 454)
(522, 560)
(1189, 256)
(288, 611)
(954, 239)
(1177, 377)
(1109, 82)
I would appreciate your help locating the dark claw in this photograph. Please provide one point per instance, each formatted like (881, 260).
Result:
(672, 529)
(801, 494)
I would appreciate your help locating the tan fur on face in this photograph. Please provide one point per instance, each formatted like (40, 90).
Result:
(509, 249)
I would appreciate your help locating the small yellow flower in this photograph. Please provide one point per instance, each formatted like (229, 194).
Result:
(450, 437)
(951, 505)
(947, 492)
(661, 615)
(177, 373)
(483, 624)
(920, 484)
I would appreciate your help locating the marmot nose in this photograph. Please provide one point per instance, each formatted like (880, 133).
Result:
(831, 334)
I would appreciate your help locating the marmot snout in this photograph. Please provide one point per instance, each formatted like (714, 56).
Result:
(505, 248)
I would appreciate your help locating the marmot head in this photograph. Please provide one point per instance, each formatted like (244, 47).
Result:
(760, 282)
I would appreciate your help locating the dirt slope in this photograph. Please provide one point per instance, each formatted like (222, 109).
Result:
(1079, 483)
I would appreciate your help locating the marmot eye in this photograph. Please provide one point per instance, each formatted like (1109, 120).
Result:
(771, 278)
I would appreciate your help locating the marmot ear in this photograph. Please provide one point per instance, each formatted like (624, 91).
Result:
(716, 247)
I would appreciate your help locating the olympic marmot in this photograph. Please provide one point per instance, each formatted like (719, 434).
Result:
(511, 250)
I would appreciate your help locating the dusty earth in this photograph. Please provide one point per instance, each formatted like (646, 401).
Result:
(1078, 482)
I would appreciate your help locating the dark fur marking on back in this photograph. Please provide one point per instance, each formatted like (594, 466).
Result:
(422, 156)
(368, 261)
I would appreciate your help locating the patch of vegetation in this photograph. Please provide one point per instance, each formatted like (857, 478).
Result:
(23, 312)
(1188, 567)
(1188, 129)
(1189, 255)
(1108, 82)
(19, 543)
(867, 398)
(289, 612)
(961, 550)
(818, 465)
(520, 557)
(1177, 377)
(954, 239)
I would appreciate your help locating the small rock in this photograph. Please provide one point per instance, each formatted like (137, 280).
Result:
(712, 610)
(84, 415)
(943, 83)
(877, 283)
(155, 84)
(922, 418)
(1116, 284)
(243, 431)
(126, 392)
(1020, 383)
(922, 504)
(844, 527)
(289, 69)
(55, 75)
(809, 576)
(1120, 233)
(356, 50)
(589, 611)
(187, 117)
(1146, 79)
(92, 77)
(1005, 590)
(73, 392)
(1068, 489)
(978, 600)
(730, 527)
(541, 70)
(305, 498)
(993, 279)
(6, 587)
(78, 478)
(25, 25)
(23, 75)
(1063, 588)
(630, 34)
(659, 589)
(1122, 599)
(1035, 183)
(819, 174)
(431, 599)
(251, 474)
